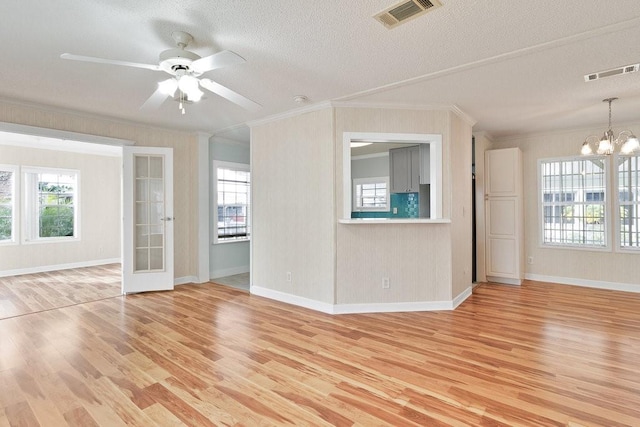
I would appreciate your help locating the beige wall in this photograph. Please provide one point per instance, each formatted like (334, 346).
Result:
(461, 204)
(292, 178)
(415, 257)
(298, 196)
(185, 164)
(573, 265)
(99, 210)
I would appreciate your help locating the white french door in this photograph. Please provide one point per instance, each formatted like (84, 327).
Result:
(147, 232)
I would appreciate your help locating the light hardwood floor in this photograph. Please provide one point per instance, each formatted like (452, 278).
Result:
(30, 293)
(202, 355)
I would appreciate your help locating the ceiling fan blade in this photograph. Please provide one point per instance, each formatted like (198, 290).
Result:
(155, 100)
(227, 93)
(217, 60)
(108, 61)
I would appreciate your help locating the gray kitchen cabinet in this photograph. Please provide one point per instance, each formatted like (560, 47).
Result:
(425, 164)
(404, 169)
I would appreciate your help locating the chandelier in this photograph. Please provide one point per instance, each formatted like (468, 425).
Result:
(626, 142)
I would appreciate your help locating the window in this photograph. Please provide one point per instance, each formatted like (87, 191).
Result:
(51, 200)
(371, 194)
(556, 207)
(231, 190)
(573, 202)
(629, 201)
(7, 203)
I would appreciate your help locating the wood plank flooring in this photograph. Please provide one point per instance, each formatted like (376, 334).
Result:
(30, 293)
(205, 355)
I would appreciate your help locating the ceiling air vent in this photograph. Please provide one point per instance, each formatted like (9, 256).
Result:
(614, 72)
(405, 10)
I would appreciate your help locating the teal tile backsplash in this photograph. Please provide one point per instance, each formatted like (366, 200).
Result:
(408, 205)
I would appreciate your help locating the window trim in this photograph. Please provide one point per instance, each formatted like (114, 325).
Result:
(214, 200)
(616, 206)
(371, 180)
(30, 233)
(607, 247)
(15, 205)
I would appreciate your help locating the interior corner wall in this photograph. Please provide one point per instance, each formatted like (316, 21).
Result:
(482, 144)
(99, 207)
(565, 265)
(415, 257)
(185, 150)
(230, 258)
(461, 205)
(292, 166)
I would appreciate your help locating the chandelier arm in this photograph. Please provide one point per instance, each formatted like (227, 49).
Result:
(626, 134)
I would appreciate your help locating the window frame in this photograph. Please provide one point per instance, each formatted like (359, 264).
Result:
(606, 203)
(31, 207)
(371, 180)
(15, 205)
(244, 167)
(618, 204)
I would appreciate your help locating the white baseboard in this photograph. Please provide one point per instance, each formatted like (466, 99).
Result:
(228, 271)
(361, 308)
(392, 307)
(292, 299)
(462, 297)
(504, 280)
(46, 268)
(598, 284)
(185, 280)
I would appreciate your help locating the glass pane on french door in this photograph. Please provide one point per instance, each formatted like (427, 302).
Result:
(149, 236)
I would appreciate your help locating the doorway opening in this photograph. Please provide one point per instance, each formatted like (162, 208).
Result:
(60, 219)
(230, 208)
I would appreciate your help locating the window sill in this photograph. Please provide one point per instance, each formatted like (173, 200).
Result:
(226, 242)
(51, 240)
(395, 221)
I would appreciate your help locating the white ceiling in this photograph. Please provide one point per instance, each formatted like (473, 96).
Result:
(514, 66)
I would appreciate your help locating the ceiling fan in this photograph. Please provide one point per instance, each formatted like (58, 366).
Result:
(185, 68)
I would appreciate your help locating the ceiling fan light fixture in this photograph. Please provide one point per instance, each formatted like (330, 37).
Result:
(168, 87)
(190, 86)
(195, 95)
(188, 83)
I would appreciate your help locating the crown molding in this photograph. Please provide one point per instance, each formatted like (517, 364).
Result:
(371, 105)
(399, 106)
(290, 113)
(585, 130)
(92, 116)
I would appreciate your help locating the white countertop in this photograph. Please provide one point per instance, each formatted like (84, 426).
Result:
(395, 221)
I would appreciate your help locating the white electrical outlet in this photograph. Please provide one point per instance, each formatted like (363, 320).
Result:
(385, 283)
(395, 211)
(288, 276)
(530, 260)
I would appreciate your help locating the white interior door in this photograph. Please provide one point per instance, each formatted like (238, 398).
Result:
(147, 232)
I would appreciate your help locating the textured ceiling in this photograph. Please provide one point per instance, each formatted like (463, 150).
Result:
(513, 66)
